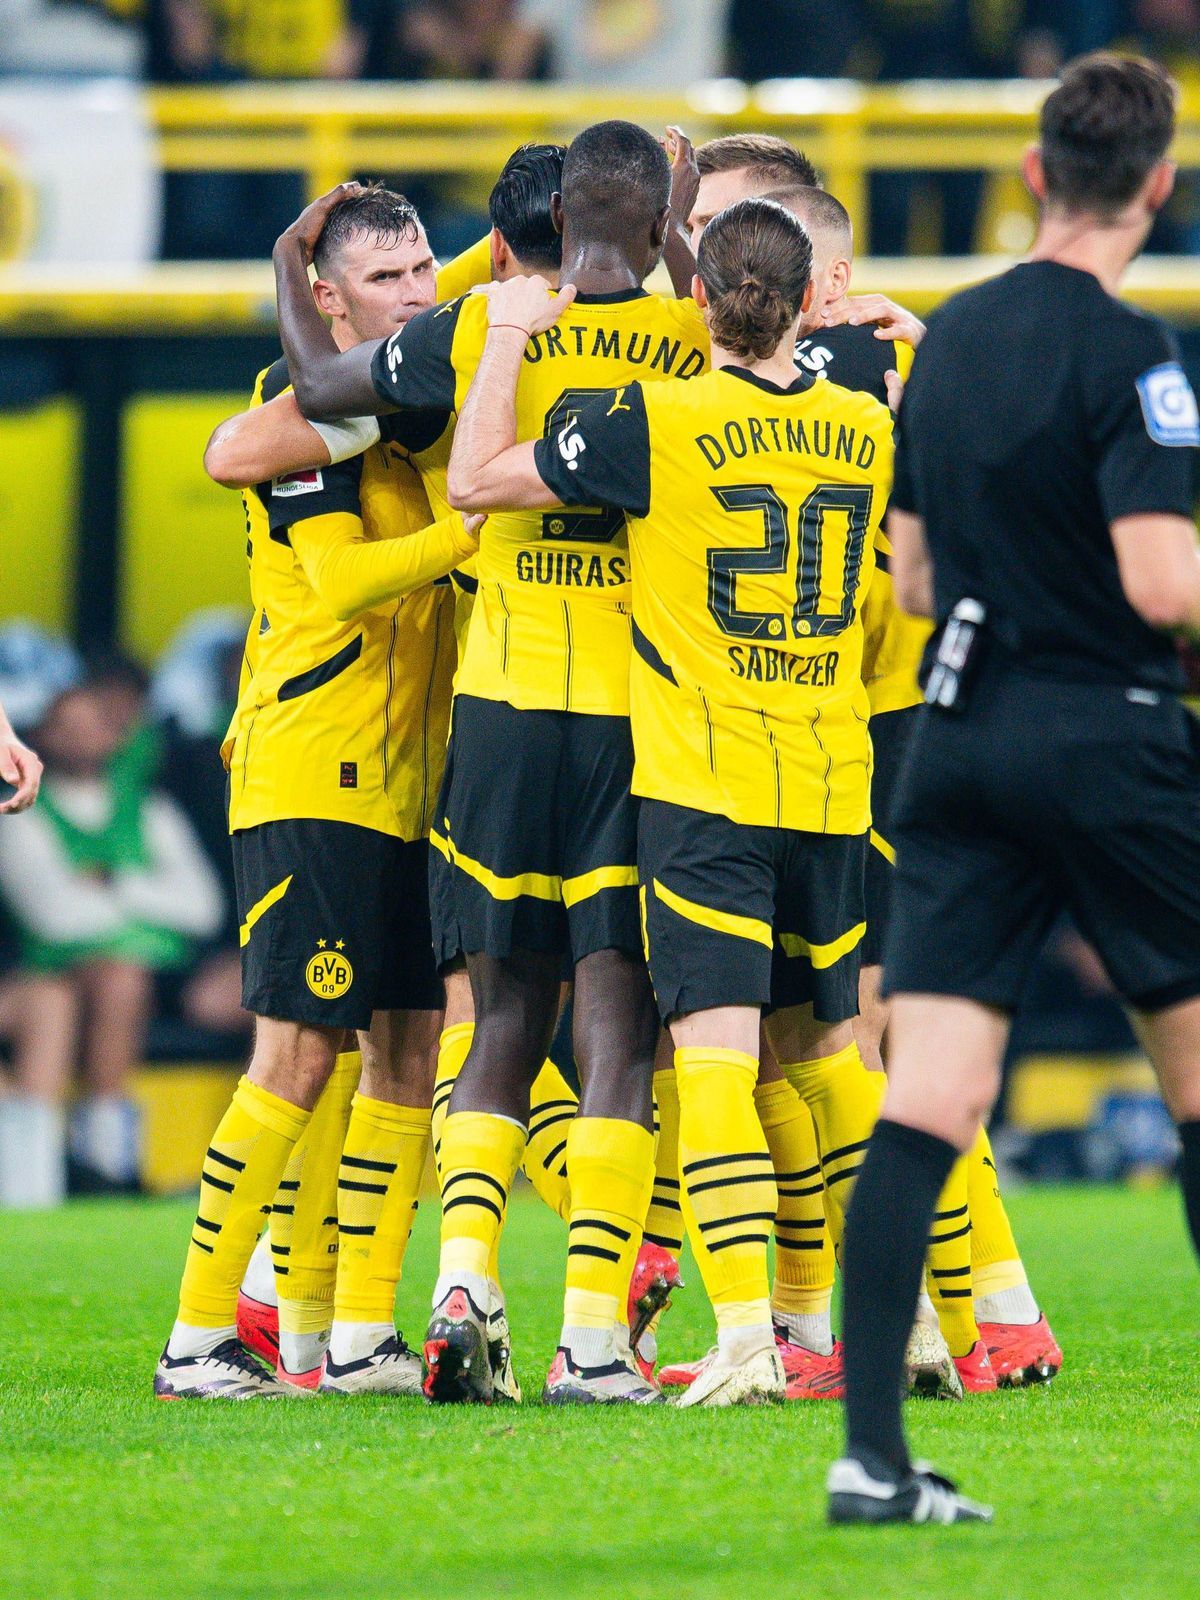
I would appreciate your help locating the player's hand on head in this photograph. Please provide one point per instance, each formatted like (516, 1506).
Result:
(306, 229)
(891, 321)
(20, 767)
(526, 303)
(685, 174)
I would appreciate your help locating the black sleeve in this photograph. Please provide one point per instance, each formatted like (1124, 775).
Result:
(903, 495)
(1142, 419)
(275, 380)
(599, 453)
(414, 371)
(316, 493)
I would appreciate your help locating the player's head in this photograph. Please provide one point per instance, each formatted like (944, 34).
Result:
(828, 225)
(740, 165)
(524, 238)
(754, 278)
(77, 735)
(616, 189)
(375, 269)
(1104, 136)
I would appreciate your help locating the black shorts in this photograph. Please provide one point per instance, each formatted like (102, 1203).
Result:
(1046, 797)
(334, 923)
(538, 834)
(891, 735)
(748, 916)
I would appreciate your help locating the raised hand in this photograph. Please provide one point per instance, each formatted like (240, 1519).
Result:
(528, 304)
(306, 229)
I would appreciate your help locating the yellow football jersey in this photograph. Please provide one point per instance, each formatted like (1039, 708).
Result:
(894, 642)
(550, 628)
(752, 515)
(341, 720)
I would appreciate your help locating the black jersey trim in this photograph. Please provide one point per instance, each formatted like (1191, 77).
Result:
(317, 677)
(615, 298)
(801, 382)
(465, 581)
(651, 656)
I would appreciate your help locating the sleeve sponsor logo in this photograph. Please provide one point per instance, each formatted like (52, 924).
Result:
(1169, 405)
(571, 445)
(394, 356)
(298, 483)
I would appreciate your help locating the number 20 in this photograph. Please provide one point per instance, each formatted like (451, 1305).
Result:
(772, 558)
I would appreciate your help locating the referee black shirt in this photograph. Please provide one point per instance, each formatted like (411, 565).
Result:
(1038, 411)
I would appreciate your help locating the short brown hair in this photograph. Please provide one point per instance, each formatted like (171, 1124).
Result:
(817, 208)
(374, 213)
(1104, 129)
(755, 262)
(772, 160)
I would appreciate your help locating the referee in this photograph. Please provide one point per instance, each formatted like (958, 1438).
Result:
(1042, 514)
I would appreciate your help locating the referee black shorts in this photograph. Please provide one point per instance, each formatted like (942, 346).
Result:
(748, 916)
(1047, 796)
(537, 833)
(891, 734)
(334, 923)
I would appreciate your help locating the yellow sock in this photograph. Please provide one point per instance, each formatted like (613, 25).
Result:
(664, 1216)
(610, 1162)
(996, 1262)
(726, 1169)
(378, 1184)
(238, 1180)
(844, 1099)
(304, 1236)
(948, 1271)
(804, 1265)
(454, 1046)
(552, 1104)
(480, 1157)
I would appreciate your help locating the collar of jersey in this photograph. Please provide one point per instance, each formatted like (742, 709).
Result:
(802, 381)
(613, 299)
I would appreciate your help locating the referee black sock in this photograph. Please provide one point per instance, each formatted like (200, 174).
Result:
(887, 1232)
(1189, 1178)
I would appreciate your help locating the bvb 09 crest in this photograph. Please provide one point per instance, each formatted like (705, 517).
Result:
(328, 974)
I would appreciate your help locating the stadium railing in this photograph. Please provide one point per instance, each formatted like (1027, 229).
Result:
(849, 130)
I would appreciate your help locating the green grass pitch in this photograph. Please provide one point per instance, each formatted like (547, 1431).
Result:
(104, 1492)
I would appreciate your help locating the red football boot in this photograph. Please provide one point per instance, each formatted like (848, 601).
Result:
(684, 1372)
(258, 1329)
(1021, 1353)
(975, 1370)
(655, 1275)
(811, 1376)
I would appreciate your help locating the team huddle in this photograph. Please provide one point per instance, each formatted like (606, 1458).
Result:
(572, 710)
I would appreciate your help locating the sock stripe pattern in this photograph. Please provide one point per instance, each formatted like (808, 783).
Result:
(252, 1144)
(948, 1270)
(664, 1216)
(804, 1264)
(454, 1045)
(609, 1162)
(375, 1218)
(729, 1179)
(996, 1263)
(552, 1108)
(480, 1156)
(303, 1228)
(844, 1100)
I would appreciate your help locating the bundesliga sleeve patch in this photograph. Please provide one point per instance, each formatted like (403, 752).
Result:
(1169, 405)
(298, 483)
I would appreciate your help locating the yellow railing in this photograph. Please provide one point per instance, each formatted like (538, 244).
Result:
(848, 129)
(239, 297)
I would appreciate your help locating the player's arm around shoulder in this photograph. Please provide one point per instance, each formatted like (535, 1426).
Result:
(272, 439)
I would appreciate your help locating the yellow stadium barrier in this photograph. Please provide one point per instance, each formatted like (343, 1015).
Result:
(239, 297)
(848, 129)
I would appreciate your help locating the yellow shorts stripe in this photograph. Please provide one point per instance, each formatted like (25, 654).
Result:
(822, 955)
(537, 885)
(260, 908)
(887, 851)
(719, 921)
(589, 883)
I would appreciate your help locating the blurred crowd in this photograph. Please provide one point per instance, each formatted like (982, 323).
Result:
(118, 933)
(608, 44)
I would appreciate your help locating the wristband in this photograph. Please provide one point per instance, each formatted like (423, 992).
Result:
(349, 437)
(514, 325)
